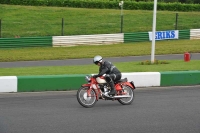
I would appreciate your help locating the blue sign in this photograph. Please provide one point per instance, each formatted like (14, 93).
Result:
(162, 35)
(165, 35)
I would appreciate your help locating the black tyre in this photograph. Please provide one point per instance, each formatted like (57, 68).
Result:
(84, 100)
(129, 100)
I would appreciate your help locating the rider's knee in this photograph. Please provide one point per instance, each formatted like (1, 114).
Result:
(108, 78)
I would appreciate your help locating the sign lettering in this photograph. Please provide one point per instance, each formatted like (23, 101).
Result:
(164, 35)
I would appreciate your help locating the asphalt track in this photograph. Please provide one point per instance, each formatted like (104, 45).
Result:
(154, 110)
(69, 62)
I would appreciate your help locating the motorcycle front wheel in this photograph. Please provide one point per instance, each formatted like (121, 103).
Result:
(129, 91)
(85, 100)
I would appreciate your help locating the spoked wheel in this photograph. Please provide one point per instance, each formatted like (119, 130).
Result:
(129, 91)
(84, 99)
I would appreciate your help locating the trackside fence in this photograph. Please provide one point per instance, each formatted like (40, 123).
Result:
(55, 41)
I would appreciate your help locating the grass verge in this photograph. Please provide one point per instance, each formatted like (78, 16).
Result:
(86, 51)
(173, 65)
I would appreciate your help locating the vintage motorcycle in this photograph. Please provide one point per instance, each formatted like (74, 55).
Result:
(98, 88)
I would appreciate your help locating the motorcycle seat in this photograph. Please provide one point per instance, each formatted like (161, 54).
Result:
(122, 80)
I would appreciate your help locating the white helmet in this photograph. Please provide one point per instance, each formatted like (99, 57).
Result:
(97, 59)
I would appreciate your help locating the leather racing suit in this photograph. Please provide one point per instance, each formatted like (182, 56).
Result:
(112, 74)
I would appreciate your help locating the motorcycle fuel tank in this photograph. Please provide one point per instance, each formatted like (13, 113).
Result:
(100, 80)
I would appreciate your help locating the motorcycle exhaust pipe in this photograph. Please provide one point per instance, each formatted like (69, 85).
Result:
(125, 96)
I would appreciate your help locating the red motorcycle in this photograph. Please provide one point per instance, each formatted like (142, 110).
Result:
(98, 88)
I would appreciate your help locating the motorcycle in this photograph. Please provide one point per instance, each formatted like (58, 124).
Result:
(97, 88)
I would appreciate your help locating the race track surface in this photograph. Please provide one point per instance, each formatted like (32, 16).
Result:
(154, 110)
(88, 61)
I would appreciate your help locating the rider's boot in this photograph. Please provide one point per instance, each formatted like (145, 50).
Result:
(112, 86)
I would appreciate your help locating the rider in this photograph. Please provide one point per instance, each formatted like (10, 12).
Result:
(112, 73)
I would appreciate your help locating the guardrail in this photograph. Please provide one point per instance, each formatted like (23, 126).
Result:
(57, 41)
(25, 42)
(88, 39)
(194, 34)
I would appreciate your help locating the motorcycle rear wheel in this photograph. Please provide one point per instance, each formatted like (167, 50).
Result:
(84, 100)
(127, 101)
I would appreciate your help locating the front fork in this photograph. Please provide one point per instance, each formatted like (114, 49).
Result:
(93, 87)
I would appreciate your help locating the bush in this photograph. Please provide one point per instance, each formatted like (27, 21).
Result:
(101, 4)
(156, 62)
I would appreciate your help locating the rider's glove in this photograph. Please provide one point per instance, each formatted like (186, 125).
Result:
(95, 76)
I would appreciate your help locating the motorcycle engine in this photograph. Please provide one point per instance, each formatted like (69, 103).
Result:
(104, 87)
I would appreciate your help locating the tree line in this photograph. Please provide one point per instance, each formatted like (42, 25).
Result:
(172, 1)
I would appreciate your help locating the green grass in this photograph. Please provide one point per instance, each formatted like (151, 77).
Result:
(142, 48)
(129, 49)
(178, 65)
(46, 21)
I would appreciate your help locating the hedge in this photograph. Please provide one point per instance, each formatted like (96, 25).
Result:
(101, 4)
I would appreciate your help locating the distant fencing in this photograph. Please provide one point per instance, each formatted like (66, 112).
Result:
(194, 34)
(160, 35)
(88, 39)
(136, 37)
(55, 41)
(25, 42)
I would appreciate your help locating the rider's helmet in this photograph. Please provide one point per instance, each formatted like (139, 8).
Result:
(97, 59)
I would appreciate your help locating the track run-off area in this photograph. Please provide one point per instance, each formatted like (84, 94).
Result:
(154, 110)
